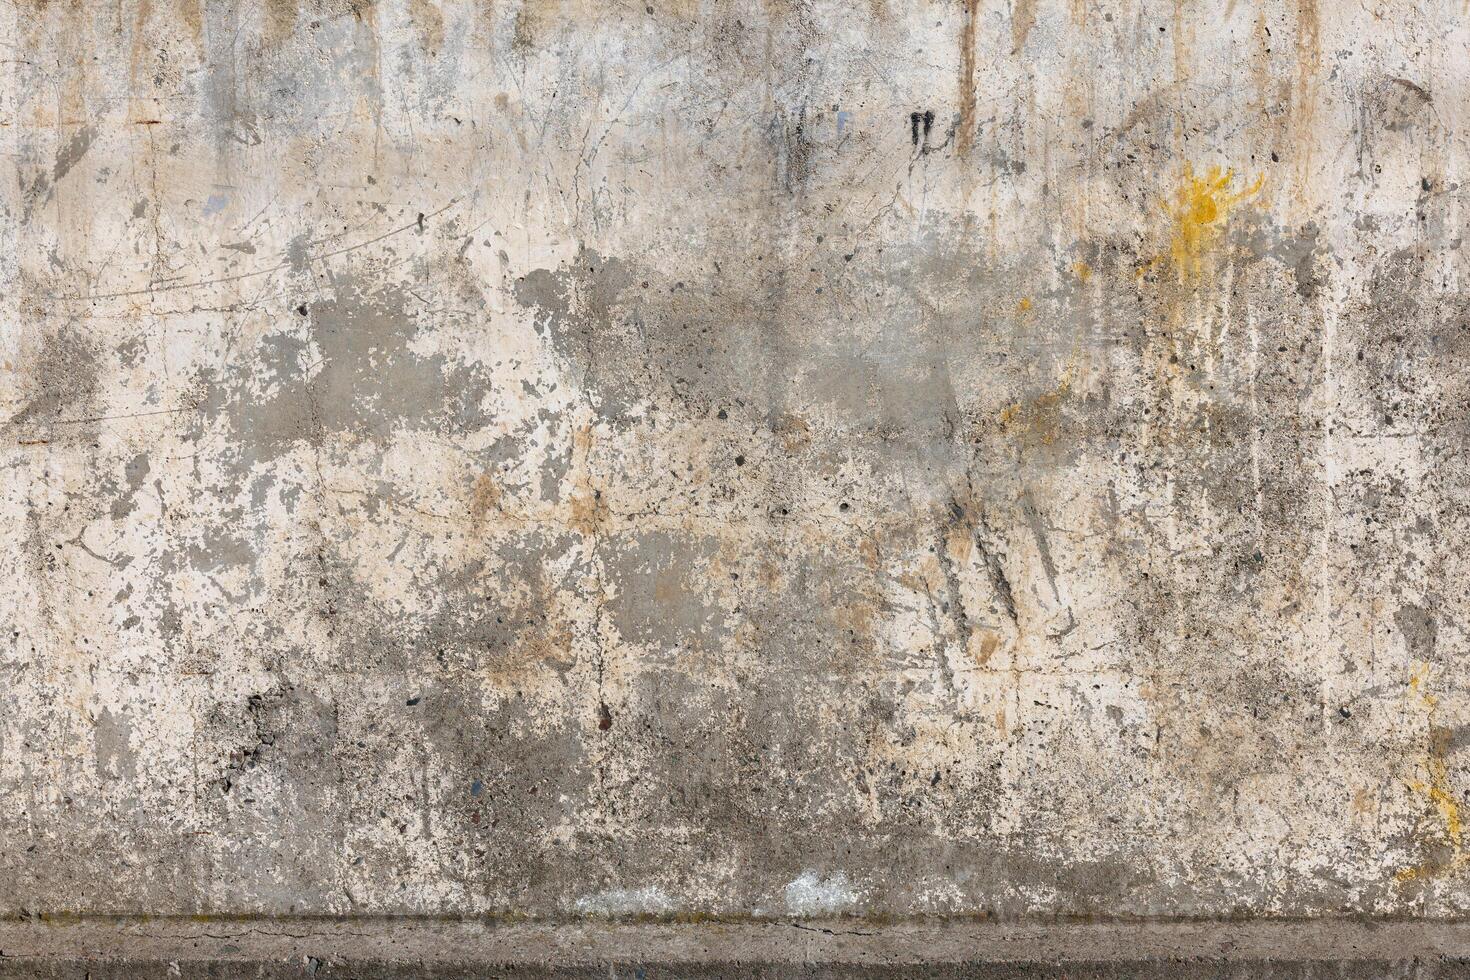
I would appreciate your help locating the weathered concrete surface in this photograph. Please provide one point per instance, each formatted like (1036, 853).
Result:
(563, 460)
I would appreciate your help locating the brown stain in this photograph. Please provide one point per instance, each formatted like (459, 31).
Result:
(794, 432)
(1037, 422)
(535, 20)
(549, 646)
(63, 26)
(927, 578)
(769, 575)
(965, 134)
(668, 586)
(1182, 37)
(989, 643)
(139, 54)
(485, 498)
(1365, 802)
(587, 510)
(1267, 88)
(1023, 18)
(428, 22)
(191, 14)
(1304, 98)
(959, 543)
(527, 26)
(280, 20)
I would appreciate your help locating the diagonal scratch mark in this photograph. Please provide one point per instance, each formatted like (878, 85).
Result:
(170, 287)
(995, 568)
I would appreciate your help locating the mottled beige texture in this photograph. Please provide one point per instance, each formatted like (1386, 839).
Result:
(570, 459)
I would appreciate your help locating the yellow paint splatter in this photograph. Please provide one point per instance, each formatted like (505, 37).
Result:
(1199, 214)
(1025, 304)
(1417, 680)
(1436, 789)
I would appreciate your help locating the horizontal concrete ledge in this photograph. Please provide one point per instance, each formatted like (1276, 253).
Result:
(399, 947)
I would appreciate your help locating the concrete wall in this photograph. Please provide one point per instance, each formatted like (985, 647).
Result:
(575, 459)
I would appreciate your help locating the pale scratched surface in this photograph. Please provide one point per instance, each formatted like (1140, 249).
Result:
(581, 459)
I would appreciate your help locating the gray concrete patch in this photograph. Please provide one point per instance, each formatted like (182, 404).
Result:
(408, 948)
